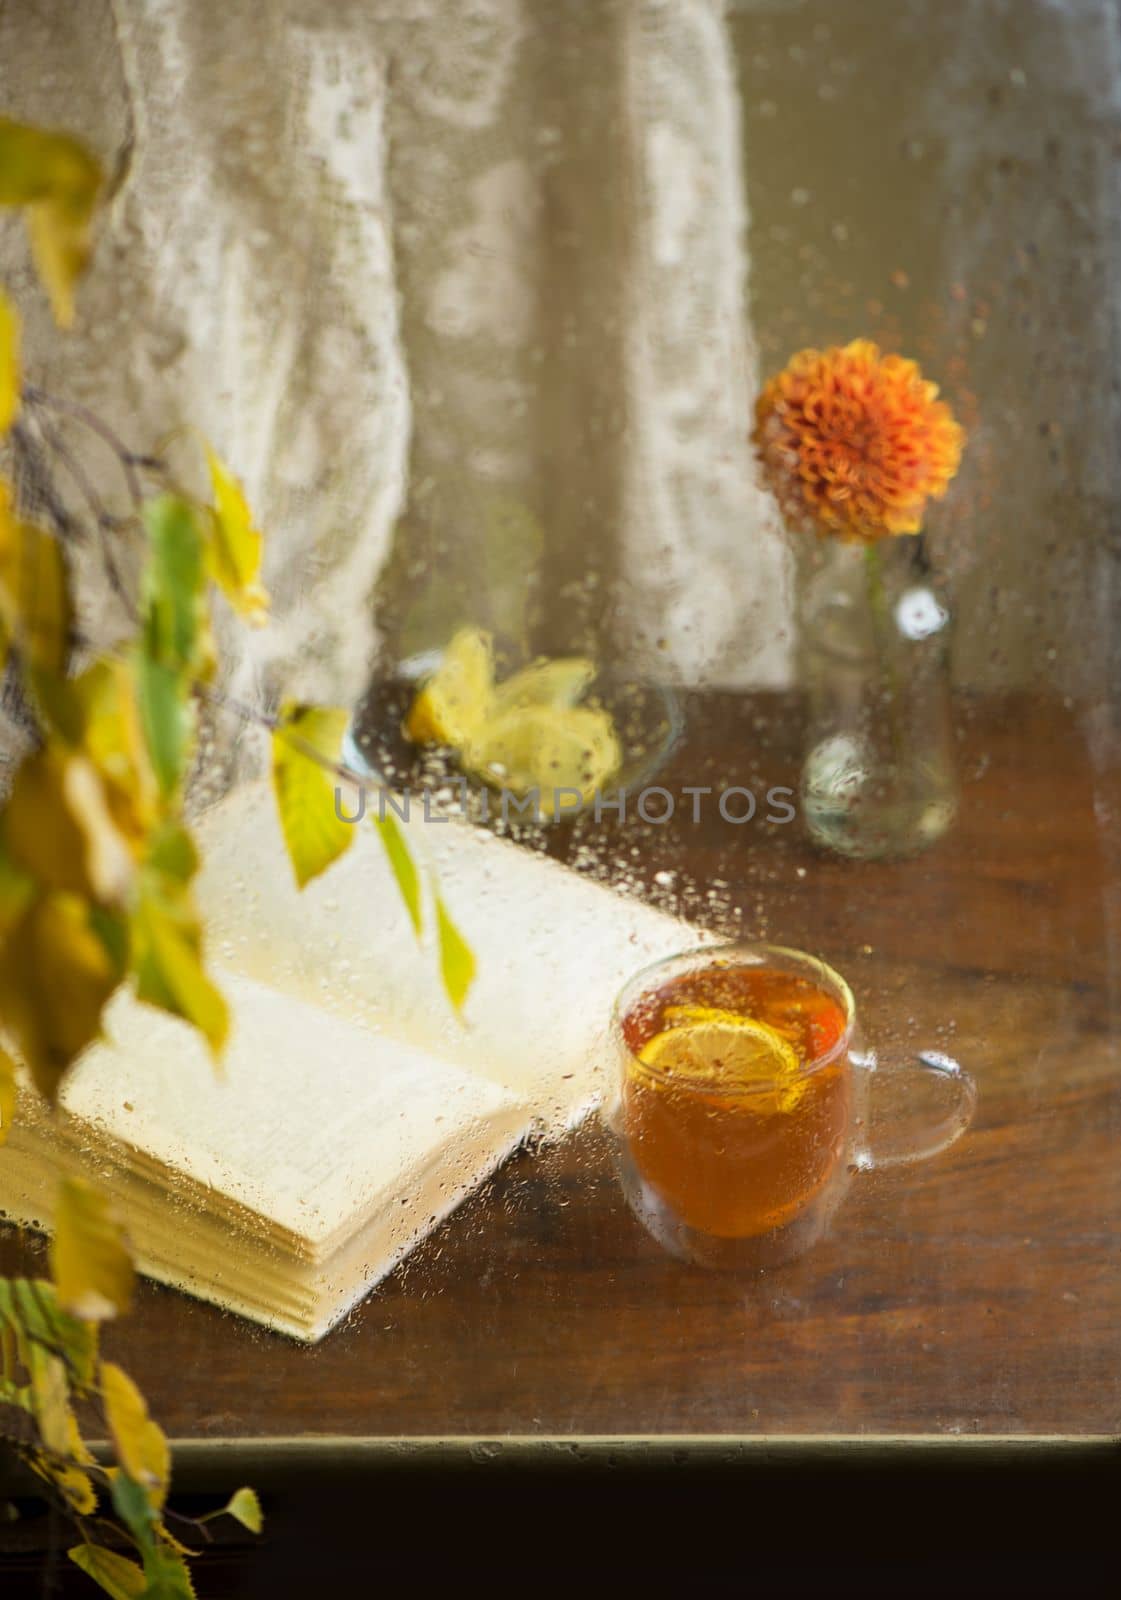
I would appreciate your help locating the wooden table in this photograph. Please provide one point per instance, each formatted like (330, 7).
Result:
(979, 1294)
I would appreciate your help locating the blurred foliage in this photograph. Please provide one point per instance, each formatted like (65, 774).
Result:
(98, 862)
(53, 1378)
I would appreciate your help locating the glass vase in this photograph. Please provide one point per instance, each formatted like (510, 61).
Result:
(878, 775)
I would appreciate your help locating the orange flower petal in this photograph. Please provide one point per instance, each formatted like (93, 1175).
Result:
(854, 442)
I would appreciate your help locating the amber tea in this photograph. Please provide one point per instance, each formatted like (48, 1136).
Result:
(737, 1095)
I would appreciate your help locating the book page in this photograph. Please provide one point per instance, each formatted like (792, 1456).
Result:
(313, 1122)
(552, 948)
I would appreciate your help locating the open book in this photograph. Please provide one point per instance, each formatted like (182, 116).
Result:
(353, 1110)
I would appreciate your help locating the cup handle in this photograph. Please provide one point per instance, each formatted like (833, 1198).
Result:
(927, 1101)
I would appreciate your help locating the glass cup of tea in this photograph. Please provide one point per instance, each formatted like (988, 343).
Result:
(746, 1102)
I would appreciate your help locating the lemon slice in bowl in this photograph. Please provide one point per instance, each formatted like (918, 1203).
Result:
(548, 748)
(723, 1053)
(527, 734)
(561, 681)
(457, 699)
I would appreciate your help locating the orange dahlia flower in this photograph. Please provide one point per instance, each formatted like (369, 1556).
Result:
(855, 443)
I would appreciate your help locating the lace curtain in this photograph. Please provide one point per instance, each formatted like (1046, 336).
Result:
(458, 289)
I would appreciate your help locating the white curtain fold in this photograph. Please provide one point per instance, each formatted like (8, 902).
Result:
(458, 290)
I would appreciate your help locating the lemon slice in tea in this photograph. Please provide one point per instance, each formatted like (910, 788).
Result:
(547, 748)
(558, 682)
(456, 699)
(688, 1012)
(725, 1053)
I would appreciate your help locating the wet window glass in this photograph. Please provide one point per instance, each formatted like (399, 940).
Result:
(559, 856)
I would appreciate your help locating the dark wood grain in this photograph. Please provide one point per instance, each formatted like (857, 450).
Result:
(978, 1294)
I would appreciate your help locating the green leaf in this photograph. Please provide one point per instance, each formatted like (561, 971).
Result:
(69, 705)
(9, 363)
(57, 1353)
(314, 833)
(167, 1575)
(175, 646)
(15, 1394)
(133, 1504)
(167, 956)
(173, 852)
(115, 1574)
(245, 1508)
(167, 719)
(457, 963)
(28, 1306)
(403, 867)
(111, 927)
(236, 546)
(173, 594)
(58, 181)
(90, 1262)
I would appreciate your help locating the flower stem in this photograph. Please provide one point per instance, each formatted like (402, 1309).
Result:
(881, 631)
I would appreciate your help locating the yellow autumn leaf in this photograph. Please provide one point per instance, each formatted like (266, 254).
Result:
(62, 243)
(17, 891)
(90, 1262)
(9, 1359)
(314, 833)
(75, 1486)
(7, 1094)
(39, 163)
(97, 714)
(67, 1472)
(35, 605)
(79, 1450)
(167, 956)
(114, 738)
(50, 1397)
(58, 826)
(57, 181)
(403, 867)
(245, 1508)
(236, 546)
(457, 962)
(140, 1444)
(56, 976)
(81, 708)
(9, 363)
(176, 1546)
(115, 1575)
